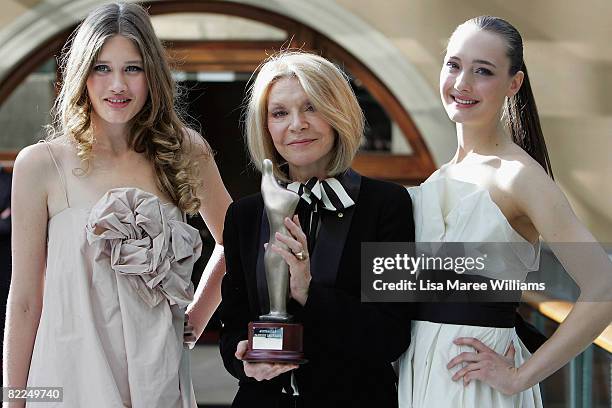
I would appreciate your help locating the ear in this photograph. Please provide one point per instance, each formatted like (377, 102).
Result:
(515, 84)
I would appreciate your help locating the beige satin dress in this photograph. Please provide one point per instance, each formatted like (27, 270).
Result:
(117, 282)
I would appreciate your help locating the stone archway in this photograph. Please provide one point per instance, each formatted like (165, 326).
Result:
(40, 25)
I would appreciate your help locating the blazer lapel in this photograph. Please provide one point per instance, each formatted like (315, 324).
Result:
(333, 233)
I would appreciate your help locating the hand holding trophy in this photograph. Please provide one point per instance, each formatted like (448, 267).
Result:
(274, 338)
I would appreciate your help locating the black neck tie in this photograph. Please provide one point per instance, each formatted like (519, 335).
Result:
(308, 212)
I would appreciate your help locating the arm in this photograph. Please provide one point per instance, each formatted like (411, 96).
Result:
(529, 335)
(355, 330)
(542, 201)
(549, 211)
(234, 309)
(29, 226)
(214, 200)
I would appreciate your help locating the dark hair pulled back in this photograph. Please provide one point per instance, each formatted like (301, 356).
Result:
(520, 110)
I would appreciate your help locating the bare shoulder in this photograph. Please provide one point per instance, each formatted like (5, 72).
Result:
(33, 161)
(527, 181)
(517, 166)
(196, 145)
(39, 157)
(32, 173)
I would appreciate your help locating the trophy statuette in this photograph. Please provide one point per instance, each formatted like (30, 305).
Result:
(274, 338)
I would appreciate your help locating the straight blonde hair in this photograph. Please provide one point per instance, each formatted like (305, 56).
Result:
(329, 92)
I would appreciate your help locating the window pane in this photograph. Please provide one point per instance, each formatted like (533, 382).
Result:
(26, 111)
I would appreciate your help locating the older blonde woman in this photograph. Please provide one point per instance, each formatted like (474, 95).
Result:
(304, 116)
(102, 255)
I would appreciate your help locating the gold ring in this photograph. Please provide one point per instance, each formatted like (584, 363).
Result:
(301, 256)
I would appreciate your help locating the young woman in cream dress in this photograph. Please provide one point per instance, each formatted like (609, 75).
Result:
(497, 188)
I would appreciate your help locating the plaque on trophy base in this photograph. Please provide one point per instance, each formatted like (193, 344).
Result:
(275, 342)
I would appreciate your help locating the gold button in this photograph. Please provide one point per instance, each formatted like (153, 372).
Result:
(340, 215)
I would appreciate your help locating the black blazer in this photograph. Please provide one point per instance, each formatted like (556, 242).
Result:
(349, 344)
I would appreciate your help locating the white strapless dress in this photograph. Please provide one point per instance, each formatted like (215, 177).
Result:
(449, 210)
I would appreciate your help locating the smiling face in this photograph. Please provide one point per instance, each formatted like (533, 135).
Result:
(117, 84)
(475, 79)
(300, 134)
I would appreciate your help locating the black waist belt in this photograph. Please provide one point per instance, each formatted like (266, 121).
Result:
(470, 314)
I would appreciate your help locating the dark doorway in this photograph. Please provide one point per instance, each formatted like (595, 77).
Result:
(214, 108)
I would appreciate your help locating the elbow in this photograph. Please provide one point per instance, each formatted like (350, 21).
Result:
(28, 309)
(596, 292)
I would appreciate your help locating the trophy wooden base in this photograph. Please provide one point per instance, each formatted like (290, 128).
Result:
(275, 342)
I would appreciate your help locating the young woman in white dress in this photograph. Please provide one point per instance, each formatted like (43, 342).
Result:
(498, 187)
(102, 255)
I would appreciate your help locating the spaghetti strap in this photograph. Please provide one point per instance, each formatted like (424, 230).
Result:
(59, 171)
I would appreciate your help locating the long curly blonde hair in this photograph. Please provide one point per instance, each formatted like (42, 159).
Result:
(157, 131)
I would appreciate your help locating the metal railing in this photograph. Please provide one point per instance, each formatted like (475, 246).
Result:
(586, 386)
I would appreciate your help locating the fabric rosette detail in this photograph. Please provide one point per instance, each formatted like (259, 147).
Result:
(154, 252)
